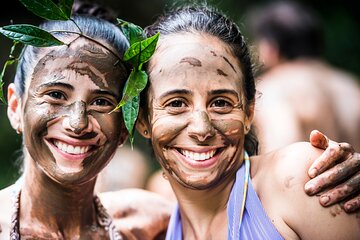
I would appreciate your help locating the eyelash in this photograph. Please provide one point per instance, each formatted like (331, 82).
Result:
(108, 103)
(176, 106)
(53, 94)
(223, 101)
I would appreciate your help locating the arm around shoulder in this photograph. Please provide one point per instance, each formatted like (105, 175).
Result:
(304, 214)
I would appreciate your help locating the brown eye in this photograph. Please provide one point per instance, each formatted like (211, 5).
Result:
(56, 95)
(102, 102)
(221, 103)
(221, 106)
(177, 104)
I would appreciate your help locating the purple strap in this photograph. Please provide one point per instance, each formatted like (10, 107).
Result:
(255, 223)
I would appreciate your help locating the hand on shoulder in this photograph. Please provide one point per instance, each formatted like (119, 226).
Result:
(286, 176)
(138, 213)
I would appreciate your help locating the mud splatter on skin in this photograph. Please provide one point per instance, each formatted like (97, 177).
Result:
(192, 61)
(336, 210)
(213, 53)
(228, 62)
(221, 72)
(287, 181)
(101, 69)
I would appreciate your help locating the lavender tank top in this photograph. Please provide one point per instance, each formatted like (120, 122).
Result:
(255, 223)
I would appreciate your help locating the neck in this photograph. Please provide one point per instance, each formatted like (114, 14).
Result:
(204, 212)
(47, 206)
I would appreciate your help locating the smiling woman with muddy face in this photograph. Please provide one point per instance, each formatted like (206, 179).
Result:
(198, 113)
(72, 91)
(60, 102)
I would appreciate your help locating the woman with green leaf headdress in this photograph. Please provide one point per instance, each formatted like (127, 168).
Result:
(70, 78)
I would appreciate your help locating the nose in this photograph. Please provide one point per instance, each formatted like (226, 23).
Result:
(77, 120)
(201, 127)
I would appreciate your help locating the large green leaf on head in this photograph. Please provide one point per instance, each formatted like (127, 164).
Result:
(30, 35)
(66, 6)
(133, 33)
(130, 112)
(48, 9)
(141, 52)
(135, 84)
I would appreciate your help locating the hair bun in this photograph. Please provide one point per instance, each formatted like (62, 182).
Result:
(93, 9)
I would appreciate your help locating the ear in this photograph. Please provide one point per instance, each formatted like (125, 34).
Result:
(143, 125)
(14, 108)
(249, 117)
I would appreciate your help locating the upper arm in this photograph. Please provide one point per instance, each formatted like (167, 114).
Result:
(304, 215)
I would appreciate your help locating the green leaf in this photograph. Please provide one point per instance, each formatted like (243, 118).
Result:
(48, 9)
(31, 35)
(134, 33)
(134, 85)
(130, 112)
(141, 52)
(66, 6)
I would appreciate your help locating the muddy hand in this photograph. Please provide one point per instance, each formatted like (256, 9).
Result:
(338, 166)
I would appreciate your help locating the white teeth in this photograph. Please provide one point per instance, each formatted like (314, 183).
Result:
(198, 156)
(70, 148)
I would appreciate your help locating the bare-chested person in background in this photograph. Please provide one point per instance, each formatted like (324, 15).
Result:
(289, 40)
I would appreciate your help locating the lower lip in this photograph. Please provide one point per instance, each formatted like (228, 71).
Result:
(201, 164)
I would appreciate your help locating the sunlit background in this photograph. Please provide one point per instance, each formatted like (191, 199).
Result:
(342, 49)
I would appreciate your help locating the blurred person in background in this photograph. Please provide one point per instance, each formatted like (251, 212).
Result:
(299, 90)
(129, 168)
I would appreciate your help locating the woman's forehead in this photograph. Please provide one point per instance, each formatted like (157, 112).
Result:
(195, 49)
(83, 56)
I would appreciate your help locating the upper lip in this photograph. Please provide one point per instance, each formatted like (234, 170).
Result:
(198, 149)
(75, 142)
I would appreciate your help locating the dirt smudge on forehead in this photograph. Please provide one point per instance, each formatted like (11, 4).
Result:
(192, 61)
(228, 62)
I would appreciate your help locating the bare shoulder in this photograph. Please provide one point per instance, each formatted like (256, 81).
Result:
(303, 214)
(6, 211)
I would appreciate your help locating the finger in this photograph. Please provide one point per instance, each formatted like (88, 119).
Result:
(334, 175)
(341, 192)
(332, 154)
(353, 204)
(318, 139)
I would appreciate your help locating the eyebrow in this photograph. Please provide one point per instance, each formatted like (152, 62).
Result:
(58, 84)
(176, 91)
(223, 91)
(107, 92)
(71, 88)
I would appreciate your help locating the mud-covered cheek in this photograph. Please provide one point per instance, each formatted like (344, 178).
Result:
(232, 129)
(164, 129)
(37, 117)
(112, 125)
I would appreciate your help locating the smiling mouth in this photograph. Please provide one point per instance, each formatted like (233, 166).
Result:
(196, 156)
(71, 149)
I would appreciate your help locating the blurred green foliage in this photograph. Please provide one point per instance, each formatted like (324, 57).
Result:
(342, 33)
